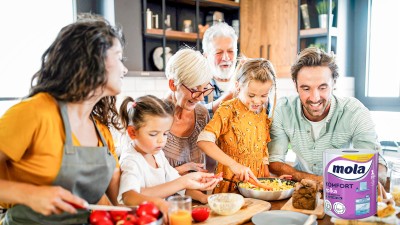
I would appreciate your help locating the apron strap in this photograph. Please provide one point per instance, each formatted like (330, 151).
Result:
(67, 126)
(100, 135)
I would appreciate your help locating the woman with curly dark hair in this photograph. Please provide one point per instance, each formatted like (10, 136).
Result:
(55, 145)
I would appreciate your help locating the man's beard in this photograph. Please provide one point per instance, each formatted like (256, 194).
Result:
(224, 73)
(324, 103)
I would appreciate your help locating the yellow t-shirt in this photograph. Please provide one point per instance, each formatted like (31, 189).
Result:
(32, 136)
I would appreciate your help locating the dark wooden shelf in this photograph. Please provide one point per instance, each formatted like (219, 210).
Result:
(317, 32)
(172, 35)
(227, 4)
(223, 3)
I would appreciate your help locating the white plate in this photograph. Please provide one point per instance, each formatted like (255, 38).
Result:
(279, 217)
(158, 56)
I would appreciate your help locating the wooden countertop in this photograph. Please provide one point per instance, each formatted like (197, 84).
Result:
(326, 220)
(277, 205)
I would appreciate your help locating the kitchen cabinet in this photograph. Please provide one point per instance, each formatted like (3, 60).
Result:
(161, 40)
(269, 29)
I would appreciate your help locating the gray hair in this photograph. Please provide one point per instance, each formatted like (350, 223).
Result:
(188, 67)
(220, 29)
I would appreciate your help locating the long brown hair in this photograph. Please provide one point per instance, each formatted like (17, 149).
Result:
(74, 65)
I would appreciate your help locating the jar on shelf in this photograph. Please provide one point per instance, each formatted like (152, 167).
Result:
(149, 19)
(187, 26)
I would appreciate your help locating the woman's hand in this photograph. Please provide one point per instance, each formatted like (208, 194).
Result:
(191, 166)
(201, 181)
(49, 200)
(242, 172)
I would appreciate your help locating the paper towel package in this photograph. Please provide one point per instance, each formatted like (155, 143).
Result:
(350, 183)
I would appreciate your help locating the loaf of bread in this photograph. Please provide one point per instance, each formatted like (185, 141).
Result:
(305, 195)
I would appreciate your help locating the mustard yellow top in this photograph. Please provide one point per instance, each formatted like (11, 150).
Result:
(241, 134)
(32, 136)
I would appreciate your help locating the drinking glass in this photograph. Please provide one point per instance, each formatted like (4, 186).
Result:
(180, 209)
(200, 158)
(395, 183)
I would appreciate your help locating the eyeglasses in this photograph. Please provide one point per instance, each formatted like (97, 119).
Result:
(196, 94)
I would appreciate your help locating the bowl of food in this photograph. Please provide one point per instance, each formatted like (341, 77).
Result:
(225, 203)
(281, 189)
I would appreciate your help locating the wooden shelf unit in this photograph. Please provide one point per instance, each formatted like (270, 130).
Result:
(210, 3)
(198, 11)
(317, 32)
(172, 35)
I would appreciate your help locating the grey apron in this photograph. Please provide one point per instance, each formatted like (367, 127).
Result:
(85, 171)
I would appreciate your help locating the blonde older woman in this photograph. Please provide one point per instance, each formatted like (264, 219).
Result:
(189, 78)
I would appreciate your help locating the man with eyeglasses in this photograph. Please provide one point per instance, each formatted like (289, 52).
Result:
(220, 49)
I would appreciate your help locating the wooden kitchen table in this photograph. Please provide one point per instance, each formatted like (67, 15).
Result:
(277, 205)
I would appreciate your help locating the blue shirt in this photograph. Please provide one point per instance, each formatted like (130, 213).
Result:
(216, 94)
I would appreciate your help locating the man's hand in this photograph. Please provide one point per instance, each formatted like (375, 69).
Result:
(280, 168)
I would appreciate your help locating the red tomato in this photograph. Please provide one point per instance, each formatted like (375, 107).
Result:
(99, 217)
(148, 208)
(129, 219)
(106, 222)
(200, 214)
(145, 219)
(118, 215)
(127, 222)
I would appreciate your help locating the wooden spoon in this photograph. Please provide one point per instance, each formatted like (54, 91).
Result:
(259, 184)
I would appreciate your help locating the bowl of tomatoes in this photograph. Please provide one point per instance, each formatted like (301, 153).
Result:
(144, 214)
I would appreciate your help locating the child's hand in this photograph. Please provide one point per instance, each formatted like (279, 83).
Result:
(201, 181)
(242, 172)
(286, 177)
(163, 206)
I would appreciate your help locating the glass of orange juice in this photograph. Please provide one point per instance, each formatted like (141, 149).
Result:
(395, 183)
(180, 208)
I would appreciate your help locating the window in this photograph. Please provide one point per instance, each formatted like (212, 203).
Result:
(28, 29)
(376, 56)
(383, 77)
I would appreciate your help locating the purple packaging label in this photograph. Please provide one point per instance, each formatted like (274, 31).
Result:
(350, 184)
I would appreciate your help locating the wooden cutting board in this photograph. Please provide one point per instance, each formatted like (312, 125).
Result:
(250, 208)
(318, 211)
